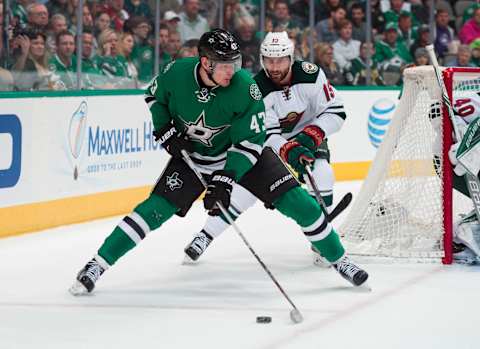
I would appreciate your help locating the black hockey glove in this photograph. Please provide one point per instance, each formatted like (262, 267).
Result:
(172, 141)
(219, 190)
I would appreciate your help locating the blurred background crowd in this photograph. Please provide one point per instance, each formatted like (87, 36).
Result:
(106, 44)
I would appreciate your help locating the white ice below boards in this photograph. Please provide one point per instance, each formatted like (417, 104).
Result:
(150, 299)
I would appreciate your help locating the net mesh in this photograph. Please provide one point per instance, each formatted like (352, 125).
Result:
(399, 212)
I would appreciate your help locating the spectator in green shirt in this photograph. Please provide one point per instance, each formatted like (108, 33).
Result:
(63, 63)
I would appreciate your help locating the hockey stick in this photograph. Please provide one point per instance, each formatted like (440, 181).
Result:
(473, 183)
(342, 205)
(295, 314)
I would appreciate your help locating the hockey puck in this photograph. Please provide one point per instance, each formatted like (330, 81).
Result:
(264, 319)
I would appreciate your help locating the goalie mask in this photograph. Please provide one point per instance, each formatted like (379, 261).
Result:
(221, 48)
(276, 45)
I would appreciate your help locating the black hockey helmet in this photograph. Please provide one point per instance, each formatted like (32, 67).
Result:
(219, 45)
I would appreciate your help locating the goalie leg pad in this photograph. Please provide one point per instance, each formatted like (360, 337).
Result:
(467, 232)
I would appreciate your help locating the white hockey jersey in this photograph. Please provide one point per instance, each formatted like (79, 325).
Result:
(309, 99)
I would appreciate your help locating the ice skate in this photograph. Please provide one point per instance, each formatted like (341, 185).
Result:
(195, 249)
(86, 278)
(351, 272)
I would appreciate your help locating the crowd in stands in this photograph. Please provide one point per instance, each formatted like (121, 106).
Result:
(38, 51)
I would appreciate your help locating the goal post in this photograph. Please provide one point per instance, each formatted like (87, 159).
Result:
(405, 207)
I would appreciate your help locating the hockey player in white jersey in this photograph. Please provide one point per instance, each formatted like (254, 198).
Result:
(466, 107)
(302, 110)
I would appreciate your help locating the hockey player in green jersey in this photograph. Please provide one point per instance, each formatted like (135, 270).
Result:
(302, 107)
(213, 110)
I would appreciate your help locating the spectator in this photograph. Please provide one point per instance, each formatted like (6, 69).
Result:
(138, 8)
(37, 16)
(469, 11)
(6, 78)
(421, 11)
(171, 19)
(378, 19)
(357, 74)
(86, 18)
(421, 56)
(30, 68)
(464, 54)
(192, 25)
(471, 29)
(163, 35)
(324, 58)
(423, 39)
(114, 8)
(390, 53)
(19, 12)
(58, 7)
(345, 48)
(302, 51)
(89, 60)
(107, 59)
(63, 63)
(58, 23)
(249, 44)
(324, 10)
(406, 33)
(475, 47)
(210, 11)
(125, 47)
(189, 49)
(359, 27)
(327, 29)
(174, 44)
(281, 17)
(299, 10)
(142, 53)
(396, 8)
(102, 22)
(234, 13)
(443, 33)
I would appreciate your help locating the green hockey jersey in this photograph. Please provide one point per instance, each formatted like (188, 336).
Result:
(225, 124)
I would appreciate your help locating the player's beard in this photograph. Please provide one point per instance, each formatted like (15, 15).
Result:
(277, 76)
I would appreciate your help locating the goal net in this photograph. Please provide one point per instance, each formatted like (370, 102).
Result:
(405, 209)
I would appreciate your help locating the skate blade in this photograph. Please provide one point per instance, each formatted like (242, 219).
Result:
(188, 261)
(77, 289)
(365, 287)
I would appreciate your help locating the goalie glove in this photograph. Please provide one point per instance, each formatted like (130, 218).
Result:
(172, 141)
(219, 190)
(297, 156)
(311, 137)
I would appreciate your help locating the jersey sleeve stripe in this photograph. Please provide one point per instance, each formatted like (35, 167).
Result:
(253, 146)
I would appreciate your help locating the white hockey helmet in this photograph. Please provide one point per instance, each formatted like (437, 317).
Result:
(277, 44)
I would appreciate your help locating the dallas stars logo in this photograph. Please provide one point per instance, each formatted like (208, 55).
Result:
(174, 182)
(201, 132)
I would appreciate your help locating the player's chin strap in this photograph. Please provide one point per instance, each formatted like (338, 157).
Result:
(295, 314)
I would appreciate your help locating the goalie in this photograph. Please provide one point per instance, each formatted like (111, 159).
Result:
(464, 155)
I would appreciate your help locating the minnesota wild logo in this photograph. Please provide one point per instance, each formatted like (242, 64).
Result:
(199, 131)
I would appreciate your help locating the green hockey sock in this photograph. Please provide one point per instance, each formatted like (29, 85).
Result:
(330, 247)
(147, 216)
(300, 206)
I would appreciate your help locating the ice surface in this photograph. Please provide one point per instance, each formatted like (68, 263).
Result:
(150, 300)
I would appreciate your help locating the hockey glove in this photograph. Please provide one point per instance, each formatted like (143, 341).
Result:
(172, 141)
(311, 137)
(219, 190)
(297, 156)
